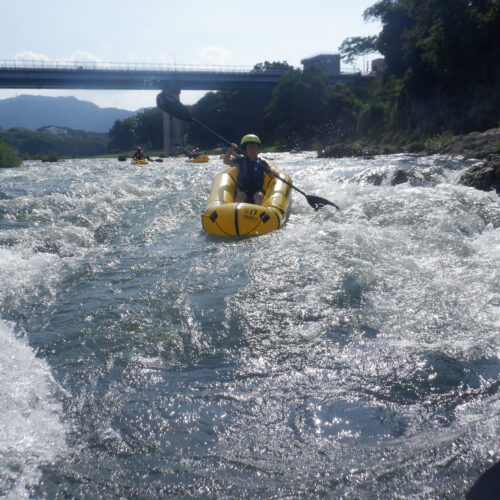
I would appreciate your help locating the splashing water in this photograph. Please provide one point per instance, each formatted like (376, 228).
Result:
(352, 354)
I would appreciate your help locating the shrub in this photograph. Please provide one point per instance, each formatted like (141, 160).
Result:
(8, 157)
(51, 156)
(416, 146)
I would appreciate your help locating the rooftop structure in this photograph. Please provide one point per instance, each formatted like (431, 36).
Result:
(328, 63)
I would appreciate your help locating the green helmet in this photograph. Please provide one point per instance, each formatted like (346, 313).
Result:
(250, 138)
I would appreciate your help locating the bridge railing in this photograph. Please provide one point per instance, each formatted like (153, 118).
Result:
(49, 65)
(17, 64)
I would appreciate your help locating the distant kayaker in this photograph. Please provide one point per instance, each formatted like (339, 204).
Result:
(194, 153)
(250, 173)
(139, 154)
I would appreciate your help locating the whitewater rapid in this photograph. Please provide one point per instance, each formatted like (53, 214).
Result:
(349, 354)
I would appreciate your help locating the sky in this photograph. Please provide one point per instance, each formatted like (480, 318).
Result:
(181, 32)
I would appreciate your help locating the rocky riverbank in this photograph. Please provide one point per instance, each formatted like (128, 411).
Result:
(484, 146)
(474, 145)
(484, 175)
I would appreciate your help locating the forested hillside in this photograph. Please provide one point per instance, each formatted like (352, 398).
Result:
(57, 140)
(442, 62)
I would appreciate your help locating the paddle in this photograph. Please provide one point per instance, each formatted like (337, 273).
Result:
(170, 104)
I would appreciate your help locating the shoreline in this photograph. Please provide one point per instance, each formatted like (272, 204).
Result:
(474, 145)
(481, 146)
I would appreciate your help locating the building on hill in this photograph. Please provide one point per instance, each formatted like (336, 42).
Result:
(52, 129)
(328, 63)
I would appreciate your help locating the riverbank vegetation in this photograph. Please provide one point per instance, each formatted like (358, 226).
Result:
(47, 142)
(442, 67)
(145, 129)
(8, 157)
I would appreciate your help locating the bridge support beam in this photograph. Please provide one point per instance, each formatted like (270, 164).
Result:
(172, 131)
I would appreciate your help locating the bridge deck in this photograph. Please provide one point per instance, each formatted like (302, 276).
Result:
(63, 75)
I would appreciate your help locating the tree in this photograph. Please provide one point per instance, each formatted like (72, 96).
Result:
(446, 53)
(305, 108)
(145, 128)
(298, 106)
(122, 136)
(37, 144)
(343, 111)
(149, 128)
(232, 114)
(357, 46)
(8, 157)
(397, 20)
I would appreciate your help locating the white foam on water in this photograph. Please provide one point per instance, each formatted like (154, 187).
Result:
(31, 430)
(487, 245)
(335, 327)
(21, 271)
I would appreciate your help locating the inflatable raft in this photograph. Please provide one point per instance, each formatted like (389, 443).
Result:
(199, 159)
(224, 217)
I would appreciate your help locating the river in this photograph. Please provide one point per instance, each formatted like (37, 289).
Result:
(351, 354)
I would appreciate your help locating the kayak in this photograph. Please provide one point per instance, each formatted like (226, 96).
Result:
(139, 162)
(224, 217)
(199, 159)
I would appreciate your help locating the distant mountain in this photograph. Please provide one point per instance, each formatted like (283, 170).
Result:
(32, 112)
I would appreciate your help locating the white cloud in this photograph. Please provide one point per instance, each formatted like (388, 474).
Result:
(83, 56)
(215, 55)
(28, 55)
(77, 56)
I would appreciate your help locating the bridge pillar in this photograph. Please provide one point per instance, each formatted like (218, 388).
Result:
(172, 131)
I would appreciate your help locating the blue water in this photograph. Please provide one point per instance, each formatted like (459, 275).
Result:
(352, 354)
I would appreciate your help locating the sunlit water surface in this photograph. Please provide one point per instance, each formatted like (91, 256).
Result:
(352, 354)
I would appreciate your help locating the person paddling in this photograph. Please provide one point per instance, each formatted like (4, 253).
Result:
(250, 176)
(139, 154)
(195, 153)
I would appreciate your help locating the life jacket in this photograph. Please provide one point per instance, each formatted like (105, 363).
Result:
(250, 175)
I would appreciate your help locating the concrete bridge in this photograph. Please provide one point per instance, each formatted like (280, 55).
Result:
(39, 74)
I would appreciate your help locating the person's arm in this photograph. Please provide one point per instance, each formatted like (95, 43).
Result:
(229, 155)
(272, 170)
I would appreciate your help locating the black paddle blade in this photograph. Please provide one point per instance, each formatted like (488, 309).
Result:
(316, 202)
(171, 104)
